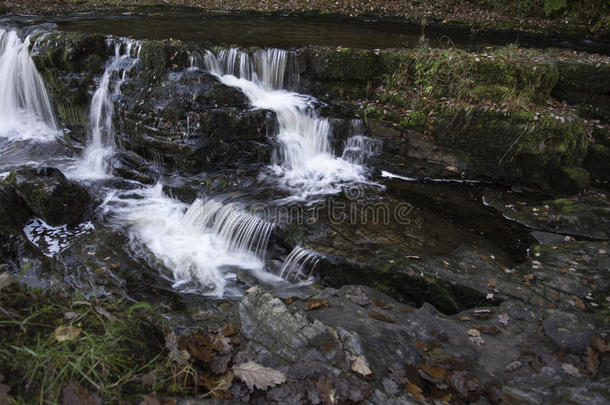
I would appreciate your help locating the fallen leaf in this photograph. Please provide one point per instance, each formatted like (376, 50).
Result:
(414, 390)
(383, 305)
(600, 345)
(413, 257)
(570, 369)
(491, 283)
(106, 314)
(288, 301)
(66, 332)
(315, 303)
(407, 310)
(487, 330)
(380, 317)
(503, 319)
(148, 400)
(149, 378)
(592, 360)
(360, 366)
(76, 394)
(514, 365)
(433, 371)
(465, 318)
(229, 329)
(70, 315)
(5, 280)
(181, 357)
(255, 375)
(252, 290)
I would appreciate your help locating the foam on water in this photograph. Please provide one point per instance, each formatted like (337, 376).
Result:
(203, 246)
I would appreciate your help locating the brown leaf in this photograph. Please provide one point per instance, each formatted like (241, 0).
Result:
(407, 310)
(229, 329)
(487, 330)
(66, 333)
(465, 318)
(255, 375)
(592, 360)
(414, 390)
(579, 303)
(361, 366)
(149, 378)
(106, 314)
(491, 283)
(315, 303)
(433, 371)
(76, 394)
(599, 344)
(383, 305)
(380, 317)
(288, 301)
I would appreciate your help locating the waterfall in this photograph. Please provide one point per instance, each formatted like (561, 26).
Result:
(239, 230)
(203, 245)
(100, 145)
(304, 164)
(299, 264)
(25, 109)
(359, 148)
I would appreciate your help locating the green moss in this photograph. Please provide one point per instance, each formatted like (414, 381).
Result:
(514, 147)
(344, 64)
(597, 162)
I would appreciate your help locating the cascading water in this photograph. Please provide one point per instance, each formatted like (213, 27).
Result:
(100, 146)
(240, 231)
(305, 163)
(25, 109)
(358, 147)
(299, 265)
(203, 247)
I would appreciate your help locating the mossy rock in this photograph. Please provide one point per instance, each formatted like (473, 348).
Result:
(597, 162)
(517, 147)
(343, 64)
(533, 80)
(578, 81)
(570, 180)
(160, 56)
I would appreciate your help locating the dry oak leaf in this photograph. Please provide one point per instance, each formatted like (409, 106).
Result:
(360, 366)
(316, 304)
(600, 345)
(381, 317)
(592, 360)
(414, 390)
(66, 332)
(570, 369)
(255, 375)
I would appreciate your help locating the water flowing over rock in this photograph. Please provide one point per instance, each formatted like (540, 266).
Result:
(25, 109)
(101, 142)
(304, 163)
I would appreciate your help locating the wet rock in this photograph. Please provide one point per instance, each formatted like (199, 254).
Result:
(568, 331)
(192, 122)
(51, 196)
(421, 355)
(585, 215)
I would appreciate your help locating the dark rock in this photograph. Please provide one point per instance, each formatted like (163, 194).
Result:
(568, 331)
(51, 196)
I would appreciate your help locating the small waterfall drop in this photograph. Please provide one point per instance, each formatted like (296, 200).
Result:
(25, 108)
(299, 265)
(305, 163)
(100, 146)
(358, 147)
(239, 230)
(204, 245)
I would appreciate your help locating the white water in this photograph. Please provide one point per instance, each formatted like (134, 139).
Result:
(100, 147)
(52, 240)
(305, 164)
(25, 109)
(299, 264)
(358, 147)
(203, 245)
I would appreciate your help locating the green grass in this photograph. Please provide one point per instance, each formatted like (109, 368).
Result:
(109, 356)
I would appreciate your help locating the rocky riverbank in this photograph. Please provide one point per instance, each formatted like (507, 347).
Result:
(491, 288)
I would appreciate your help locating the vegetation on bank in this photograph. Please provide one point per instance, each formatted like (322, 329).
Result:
(581, 17)
(521, 116)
